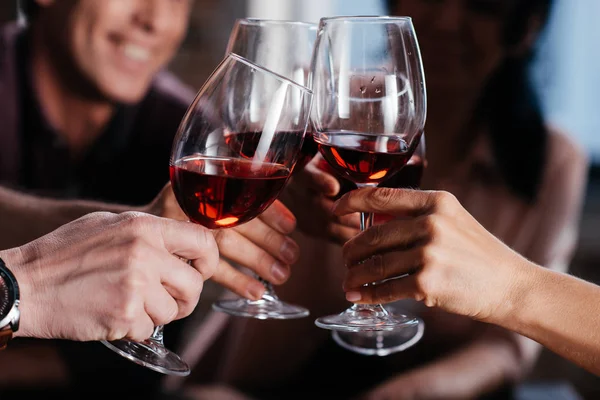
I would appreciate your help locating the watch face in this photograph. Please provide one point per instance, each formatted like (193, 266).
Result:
(5, 297)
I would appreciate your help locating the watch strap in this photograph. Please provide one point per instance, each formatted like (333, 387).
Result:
(5, 336)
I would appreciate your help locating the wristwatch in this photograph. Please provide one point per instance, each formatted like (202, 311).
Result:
(9, 305)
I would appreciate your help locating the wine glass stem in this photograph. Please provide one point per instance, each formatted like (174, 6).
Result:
(366, 221)
(269, 290)
(157, 334)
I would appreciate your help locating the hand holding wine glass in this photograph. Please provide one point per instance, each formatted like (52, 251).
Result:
(386, 343)
(310, 195)
(440, 253)
(369, 114)
(261, 245)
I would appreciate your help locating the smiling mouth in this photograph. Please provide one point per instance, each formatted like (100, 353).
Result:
(136, 53)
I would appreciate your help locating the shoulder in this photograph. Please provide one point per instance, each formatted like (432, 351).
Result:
(563, 151)
(163, 107)
(170, 89)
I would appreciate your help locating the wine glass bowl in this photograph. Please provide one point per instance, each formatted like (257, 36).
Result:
(368, 115)
(233, 154)
(284, 47)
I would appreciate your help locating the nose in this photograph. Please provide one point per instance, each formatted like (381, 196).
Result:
(154, 16)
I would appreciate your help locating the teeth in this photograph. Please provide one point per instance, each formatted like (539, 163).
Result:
(136, 53)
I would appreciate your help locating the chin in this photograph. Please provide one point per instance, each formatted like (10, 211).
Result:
(126, 93)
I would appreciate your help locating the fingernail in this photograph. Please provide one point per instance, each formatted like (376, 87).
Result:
(279, 272)
(353, 296)
(255, 290)
(289, 251)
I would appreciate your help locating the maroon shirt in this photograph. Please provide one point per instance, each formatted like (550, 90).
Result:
(128, 164)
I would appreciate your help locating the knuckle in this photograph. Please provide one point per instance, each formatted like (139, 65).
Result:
(446, 200)
(264, 260)
(430, 226)
(380, 198)
(273, 238)
(225, 239)
(171, 312)
(205, 239)
(125, 312)
(185, 308)
(136, 253)
(133, 280)
(425, 283)
(137, 223)
(193, 288)
(427, 257)
(142, 331)
(98, 216)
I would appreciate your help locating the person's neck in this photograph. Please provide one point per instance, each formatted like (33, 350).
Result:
(79, 120)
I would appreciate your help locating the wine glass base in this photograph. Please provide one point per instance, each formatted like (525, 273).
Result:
(264, 308)
(380, 343)
(366, 320)
(150, 354)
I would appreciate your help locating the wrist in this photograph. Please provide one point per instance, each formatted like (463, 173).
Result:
(513, 310)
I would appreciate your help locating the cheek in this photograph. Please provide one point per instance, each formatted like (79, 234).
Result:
(175, 36)
(487, 51)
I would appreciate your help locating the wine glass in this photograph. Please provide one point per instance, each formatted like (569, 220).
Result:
(383, 343)
(233, 153)
(369, 113)
(284, 47)
(267, 43)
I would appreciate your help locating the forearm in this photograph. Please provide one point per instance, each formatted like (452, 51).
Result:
(560, 312)
(24, 218)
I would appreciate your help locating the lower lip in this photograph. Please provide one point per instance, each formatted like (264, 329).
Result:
(128, 64)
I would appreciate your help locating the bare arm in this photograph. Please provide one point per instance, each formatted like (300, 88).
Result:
(560, 312)
(549, 236)
(452, 258)
(262, 245)
(25, 217)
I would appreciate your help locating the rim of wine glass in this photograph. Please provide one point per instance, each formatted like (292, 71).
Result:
(366, 18)
(268, 71)
(257, 21)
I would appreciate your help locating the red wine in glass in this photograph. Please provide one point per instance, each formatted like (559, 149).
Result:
(363, 158)
(225, 192)
(246, 143)
(307, 152)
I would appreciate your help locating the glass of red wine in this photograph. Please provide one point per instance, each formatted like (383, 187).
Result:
(382, 343)
(233, 154)
(284, 47)
(369, 112)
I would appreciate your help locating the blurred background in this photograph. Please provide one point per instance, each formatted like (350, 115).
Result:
(566, 73)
